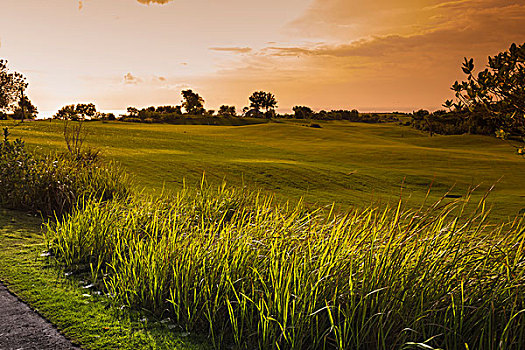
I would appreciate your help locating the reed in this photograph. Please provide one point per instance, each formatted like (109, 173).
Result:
(254, 273)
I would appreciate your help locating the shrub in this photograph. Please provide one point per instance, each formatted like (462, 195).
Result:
(52, 184)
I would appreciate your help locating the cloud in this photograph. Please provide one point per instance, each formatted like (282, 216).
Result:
(149, 2)
(131, 79)
(239, 50)
(161, 78)
(145, 2)
(465, 27)
(363, 55)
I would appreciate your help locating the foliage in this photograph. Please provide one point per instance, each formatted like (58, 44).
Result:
(257, 99)
(193, 103)
(77, 112)
(161, 114)
(262, 275)
(66, 113)
(266, 100)
(169, 109)
(74, 135)
(456, 122)
(498, 90)
(53, 184)
(352, 116)
(12, 86)
(25, 109)
(74, 117)
(227, 111)
(302, 112)
(133, 112)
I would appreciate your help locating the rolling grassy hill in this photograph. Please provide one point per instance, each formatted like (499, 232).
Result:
(342, 162)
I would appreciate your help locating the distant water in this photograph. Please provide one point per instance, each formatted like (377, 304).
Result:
(49, 114)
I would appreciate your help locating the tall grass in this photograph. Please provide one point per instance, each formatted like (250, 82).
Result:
(254, 273)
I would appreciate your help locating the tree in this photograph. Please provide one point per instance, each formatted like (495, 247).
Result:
(426, 117)
(193, 103)
(227, 111)
(257, 100)
(25, 109)
(498, 90)
(169, 109)
(302, 112)
(133, 112)
(85, 111)
(77, 112)
(12, 85)
(261, 99)
(270, 103)
(12, 88)
(66, 113)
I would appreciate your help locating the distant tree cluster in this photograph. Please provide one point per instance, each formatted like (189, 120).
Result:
(456, 122)
(81, 111)
(227, 111)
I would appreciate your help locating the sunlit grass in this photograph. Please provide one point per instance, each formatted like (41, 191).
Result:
(351, 164)
(251, 272)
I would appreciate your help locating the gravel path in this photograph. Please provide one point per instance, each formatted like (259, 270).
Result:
(22, 329)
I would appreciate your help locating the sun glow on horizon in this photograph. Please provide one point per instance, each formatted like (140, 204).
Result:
(327, 54)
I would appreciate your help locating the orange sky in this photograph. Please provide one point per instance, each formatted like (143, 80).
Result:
(327, 54)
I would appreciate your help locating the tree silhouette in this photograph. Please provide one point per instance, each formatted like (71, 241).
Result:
(25, 109)
(133, 112)
(261, 99)
(227, 111)
(77, 112)
(302, 112)
(270, 103)
(193, 103)
(257, 100)
(12, 88)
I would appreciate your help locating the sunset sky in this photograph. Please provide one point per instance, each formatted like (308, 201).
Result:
(371, 55)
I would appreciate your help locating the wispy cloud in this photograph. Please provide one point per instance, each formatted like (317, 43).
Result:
(131, 79)
(149, 2)
(239, 50)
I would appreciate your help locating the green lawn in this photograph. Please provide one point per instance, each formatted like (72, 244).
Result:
(85, 317)
(346, 163)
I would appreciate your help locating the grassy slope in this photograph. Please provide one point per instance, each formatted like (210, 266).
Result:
(349, 163)
(88, 321)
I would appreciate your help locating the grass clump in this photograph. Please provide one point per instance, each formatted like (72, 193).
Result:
(52, 184)
(254, 273)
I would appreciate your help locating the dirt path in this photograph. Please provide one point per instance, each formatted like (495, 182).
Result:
(22, 329)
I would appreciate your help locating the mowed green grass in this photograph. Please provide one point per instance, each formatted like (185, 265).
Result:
(346, 163)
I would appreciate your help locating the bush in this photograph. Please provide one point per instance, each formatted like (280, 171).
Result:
(53, 184)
